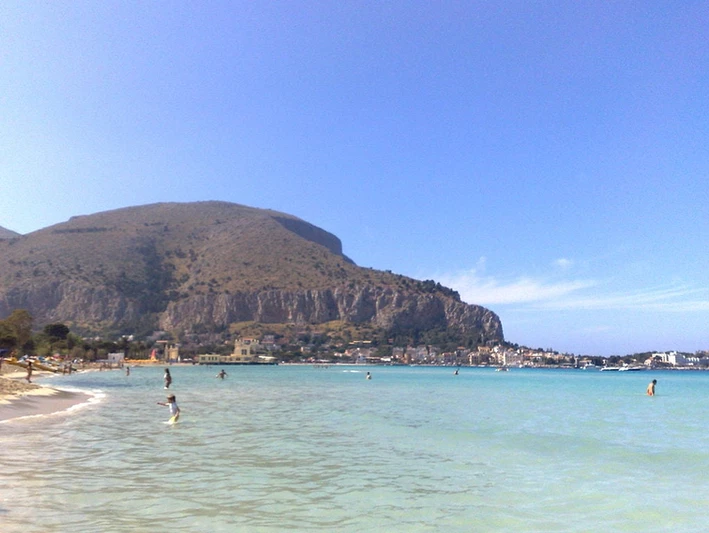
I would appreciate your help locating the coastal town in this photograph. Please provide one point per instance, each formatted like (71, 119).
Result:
(249, 350)
(267, 350)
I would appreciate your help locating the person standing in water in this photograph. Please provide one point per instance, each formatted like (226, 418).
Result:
(651, 388)
(172, 404)
(29, 372)
(369, 376)
(221, 374)
(168, 378)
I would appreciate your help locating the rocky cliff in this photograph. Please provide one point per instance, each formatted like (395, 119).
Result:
(387, 309)
(208, 265)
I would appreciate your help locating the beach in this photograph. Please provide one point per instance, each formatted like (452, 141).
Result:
(19, 398)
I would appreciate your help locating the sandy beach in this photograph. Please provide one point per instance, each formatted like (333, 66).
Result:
(19, 398)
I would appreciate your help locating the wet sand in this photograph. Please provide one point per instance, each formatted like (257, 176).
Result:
(19, 398)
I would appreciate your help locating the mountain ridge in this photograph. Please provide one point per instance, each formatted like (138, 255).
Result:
(8, 233)
(208, 265)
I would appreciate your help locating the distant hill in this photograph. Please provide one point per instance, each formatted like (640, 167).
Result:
(7, 234)
(206, 266)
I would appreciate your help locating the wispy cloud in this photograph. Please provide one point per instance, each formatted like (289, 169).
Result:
(487, 290)
(667, 299)
(566, 295)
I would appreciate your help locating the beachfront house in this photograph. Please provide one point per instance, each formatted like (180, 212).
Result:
(116, 358)
(246, 352)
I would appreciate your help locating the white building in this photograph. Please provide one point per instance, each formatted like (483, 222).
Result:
(116, 358)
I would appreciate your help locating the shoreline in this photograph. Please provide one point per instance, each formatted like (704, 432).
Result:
(19, 399)
(44, 402)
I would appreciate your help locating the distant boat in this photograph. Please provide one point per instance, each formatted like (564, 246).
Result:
(502, 369)
(622, 368)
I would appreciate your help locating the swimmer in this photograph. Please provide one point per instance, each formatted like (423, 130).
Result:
(221, 374)
(172, 404)
(369, 376)
(168, 378)
(651, 388)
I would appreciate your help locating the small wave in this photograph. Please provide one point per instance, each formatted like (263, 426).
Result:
(68, 405)
(94, 397)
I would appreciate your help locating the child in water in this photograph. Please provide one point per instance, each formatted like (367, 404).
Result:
(172, 404)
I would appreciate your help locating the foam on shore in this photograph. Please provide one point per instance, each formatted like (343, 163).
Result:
(45, 401)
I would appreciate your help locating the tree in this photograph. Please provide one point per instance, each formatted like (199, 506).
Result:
(73, 340)
(56, 335)
(8, 339)
(56, 332)
(384, 350)
(20, 323)
(77, 352)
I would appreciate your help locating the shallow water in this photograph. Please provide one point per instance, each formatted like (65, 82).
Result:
(296, 448)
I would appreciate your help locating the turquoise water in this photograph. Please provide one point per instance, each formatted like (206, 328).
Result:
(416, 449)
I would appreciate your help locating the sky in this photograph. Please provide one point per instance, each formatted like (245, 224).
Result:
(548, 160)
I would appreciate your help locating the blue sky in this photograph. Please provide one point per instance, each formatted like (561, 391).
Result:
(548, 160)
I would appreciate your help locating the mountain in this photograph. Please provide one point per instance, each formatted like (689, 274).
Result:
(7, 233)
(206, 266)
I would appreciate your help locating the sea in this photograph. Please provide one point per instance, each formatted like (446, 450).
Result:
(323, 449)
